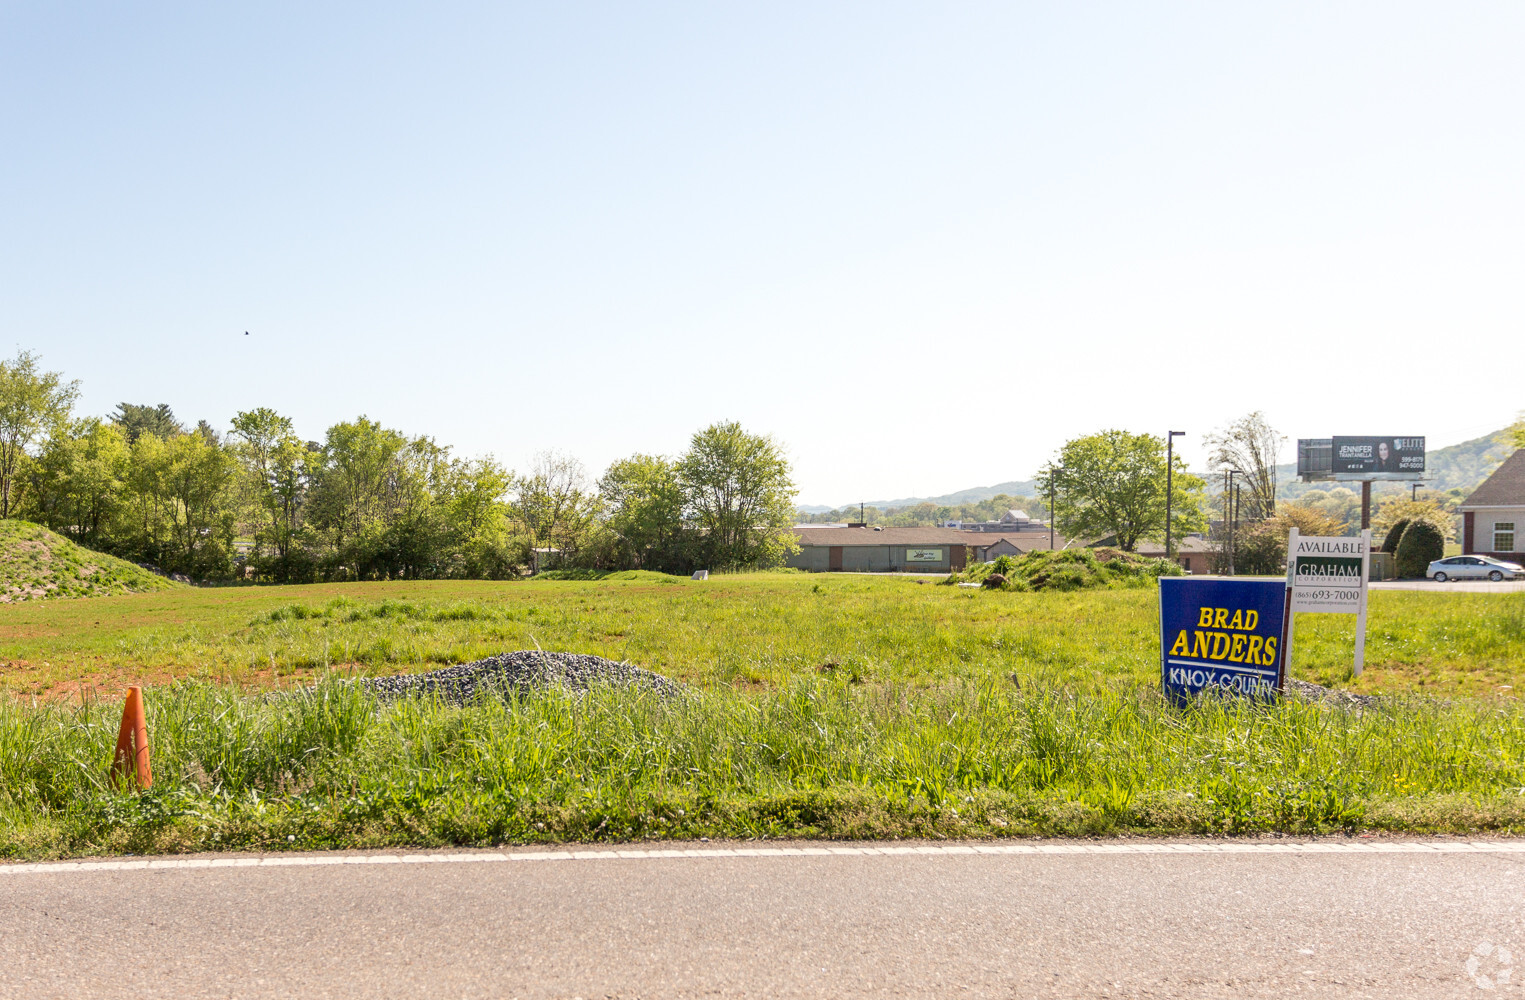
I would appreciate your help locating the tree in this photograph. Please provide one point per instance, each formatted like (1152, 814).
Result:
(349, 499)
(1261, 547)
(198, 482)
(78, 479)
(33, 404)
(259, 436)
(643, 502)
(138, 420)
(1432, 511)
(1421, 544)
(1394, 535)
(1250, 446)
(1113, 484)
(740, 496)
(554, 503)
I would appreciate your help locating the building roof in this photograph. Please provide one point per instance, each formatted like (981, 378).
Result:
(1505, 488)
(1187, 544)
(1022, 541)
(889, 536)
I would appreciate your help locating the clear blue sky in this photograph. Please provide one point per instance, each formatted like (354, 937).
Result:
(922, 244)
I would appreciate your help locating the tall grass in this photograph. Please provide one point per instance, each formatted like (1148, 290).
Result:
(819, 757)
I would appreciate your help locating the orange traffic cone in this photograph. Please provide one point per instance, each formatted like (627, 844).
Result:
(131, 759)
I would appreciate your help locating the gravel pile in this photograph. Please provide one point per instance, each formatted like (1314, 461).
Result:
(525, 670)
(1308, 691)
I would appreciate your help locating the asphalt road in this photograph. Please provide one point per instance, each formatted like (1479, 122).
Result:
(1454, 586)
(1143, 920)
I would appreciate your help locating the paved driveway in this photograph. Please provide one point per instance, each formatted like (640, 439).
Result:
(1454, 586)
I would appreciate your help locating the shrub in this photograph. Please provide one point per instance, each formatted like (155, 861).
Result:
(1421, 544)
(1067, 570)
(1261, 549)
(1394, 535)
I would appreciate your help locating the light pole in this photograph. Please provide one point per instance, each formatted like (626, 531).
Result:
(1170, 440)
(1414, 491)
(1230, 515)
(1051, 473)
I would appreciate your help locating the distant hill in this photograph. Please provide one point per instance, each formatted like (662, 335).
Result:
(36, 563)
(974, 494)
(1458, 466)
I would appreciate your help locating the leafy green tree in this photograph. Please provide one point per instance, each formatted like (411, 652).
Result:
(1436, 512)
(1260, 548)
(1394, 535)
(1112, 484)
(740, 497)
(146, 496)
(137, 420)
(643, 501)
(33, 405)
(78, 481)
(1422, 543)
(475, 502)
(554, 504)
(258, 439)
(198, 482)
(350, 498)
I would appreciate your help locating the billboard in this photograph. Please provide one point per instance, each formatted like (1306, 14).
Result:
(1223, 635)
(1377, 458)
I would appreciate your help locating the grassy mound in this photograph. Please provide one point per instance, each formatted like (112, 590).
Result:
(35, 563)
(1067, 570)
(649, 576)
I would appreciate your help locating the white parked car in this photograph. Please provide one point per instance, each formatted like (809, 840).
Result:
(1474, 568)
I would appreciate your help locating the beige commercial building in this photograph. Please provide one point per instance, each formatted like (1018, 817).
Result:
(904, 550)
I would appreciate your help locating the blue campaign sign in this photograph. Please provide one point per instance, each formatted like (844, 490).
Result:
(1221, 634)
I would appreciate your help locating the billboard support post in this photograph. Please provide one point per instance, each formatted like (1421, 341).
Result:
(1366, 505)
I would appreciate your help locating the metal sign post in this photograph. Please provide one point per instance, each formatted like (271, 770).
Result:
(1286, 643)
(1361, 612)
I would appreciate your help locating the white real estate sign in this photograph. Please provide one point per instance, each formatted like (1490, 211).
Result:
(1329, 575)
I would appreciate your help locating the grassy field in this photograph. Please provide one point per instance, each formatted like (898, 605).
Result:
(830, 706)
(749, 631)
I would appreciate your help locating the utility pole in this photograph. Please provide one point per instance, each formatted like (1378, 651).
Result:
(1231, 515)
(1051, 508)
(1170, 469)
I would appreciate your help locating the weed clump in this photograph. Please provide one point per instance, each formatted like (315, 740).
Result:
(1067, 570)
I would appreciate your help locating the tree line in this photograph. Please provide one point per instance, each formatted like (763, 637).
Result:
(370, 502)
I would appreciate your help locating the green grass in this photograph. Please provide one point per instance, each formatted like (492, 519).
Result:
(816, 758)
(759, 631)
(823, 706)
(36, 564)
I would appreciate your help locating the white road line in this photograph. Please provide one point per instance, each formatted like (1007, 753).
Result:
(920, 850)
